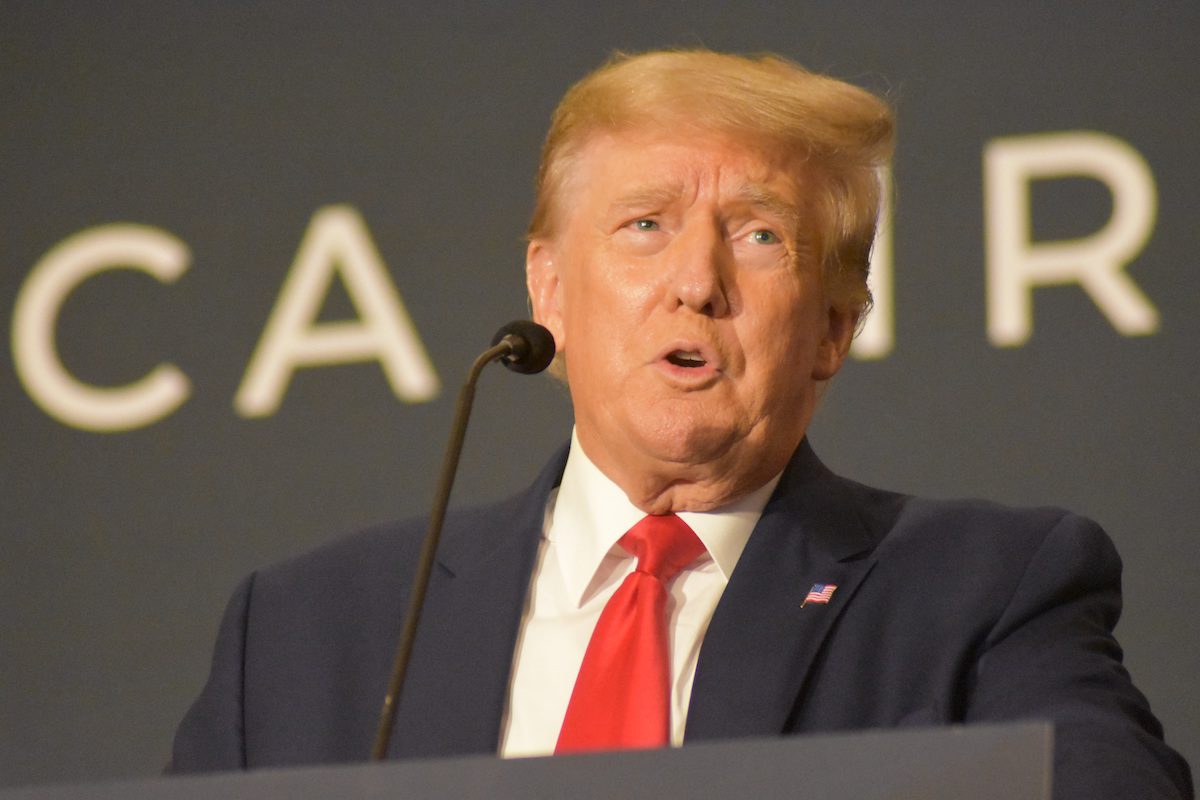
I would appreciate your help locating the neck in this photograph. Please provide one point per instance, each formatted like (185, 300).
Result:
(659, 486)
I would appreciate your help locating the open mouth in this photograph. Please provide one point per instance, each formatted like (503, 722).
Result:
(686, 358)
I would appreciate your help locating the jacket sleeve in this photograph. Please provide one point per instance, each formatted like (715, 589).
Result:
(1052, 655)
(212, 735)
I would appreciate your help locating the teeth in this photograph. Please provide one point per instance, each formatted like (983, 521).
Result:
(686, 358)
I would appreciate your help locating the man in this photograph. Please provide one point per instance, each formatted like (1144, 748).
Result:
(699, 251)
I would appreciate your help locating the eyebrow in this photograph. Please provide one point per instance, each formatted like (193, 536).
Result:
(777, 205)
(754, 194)
(772, 202)
(646, 197)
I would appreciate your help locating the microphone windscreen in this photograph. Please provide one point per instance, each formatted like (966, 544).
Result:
(532, 346)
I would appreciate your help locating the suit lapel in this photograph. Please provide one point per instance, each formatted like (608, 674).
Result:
(457, 684)
(763, 639)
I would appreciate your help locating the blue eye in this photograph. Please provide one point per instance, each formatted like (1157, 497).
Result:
(764, 237)
(645, 225)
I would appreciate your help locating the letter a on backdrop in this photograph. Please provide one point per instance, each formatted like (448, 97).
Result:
(336, 242)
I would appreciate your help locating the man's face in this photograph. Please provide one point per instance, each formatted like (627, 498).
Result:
(683, 289)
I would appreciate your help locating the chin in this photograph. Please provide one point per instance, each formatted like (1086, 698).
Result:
(682, 439)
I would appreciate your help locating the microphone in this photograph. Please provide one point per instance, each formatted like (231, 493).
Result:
(523, 347)
(532, 346)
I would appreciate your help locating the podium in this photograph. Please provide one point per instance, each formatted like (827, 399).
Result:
(986, 762)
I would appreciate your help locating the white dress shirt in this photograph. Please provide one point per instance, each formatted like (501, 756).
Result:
(579, 566)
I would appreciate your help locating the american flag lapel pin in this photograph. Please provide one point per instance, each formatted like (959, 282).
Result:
(819, 593)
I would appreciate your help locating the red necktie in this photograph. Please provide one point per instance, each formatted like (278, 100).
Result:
(622, 697)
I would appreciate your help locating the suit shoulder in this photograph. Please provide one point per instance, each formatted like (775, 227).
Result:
(382, 558)
(976, 518)
(378, 553)
(895, 515)
(347, 552)
(990, 537)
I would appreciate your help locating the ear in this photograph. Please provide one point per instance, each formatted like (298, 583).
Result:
(543, 281)
(832, 351)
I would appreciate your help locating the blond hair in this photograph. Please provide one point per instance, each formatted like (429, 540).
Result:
(843, 133)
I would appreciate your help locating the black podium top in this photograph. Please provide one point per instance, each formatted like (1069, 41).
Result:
(989, 762)
(1005, 762)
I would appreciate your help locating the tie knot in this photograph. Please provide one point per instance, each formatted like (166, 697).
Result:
(663, 544)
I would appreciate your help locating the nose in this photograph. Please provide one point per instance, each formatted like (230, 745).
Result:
(699, 271)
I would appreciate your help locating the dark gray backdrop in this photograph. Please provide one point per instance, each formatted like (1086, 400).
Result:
(229, 124)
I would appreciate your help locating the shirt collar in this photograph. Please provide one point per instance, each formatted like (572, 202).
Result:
(591, 513)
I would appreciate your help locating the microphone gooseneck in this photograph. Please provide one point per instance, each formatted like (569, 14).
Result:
(524, 347)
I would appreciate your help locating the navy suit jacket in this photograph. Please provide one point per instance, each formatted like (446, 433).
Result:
(945, 612)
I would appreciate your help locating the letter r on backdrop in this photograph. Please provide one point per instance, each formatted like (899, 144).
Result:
(1016, 264)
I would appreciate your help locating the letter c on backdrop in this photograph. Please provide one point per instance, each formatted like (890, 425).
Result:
(35, 319)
